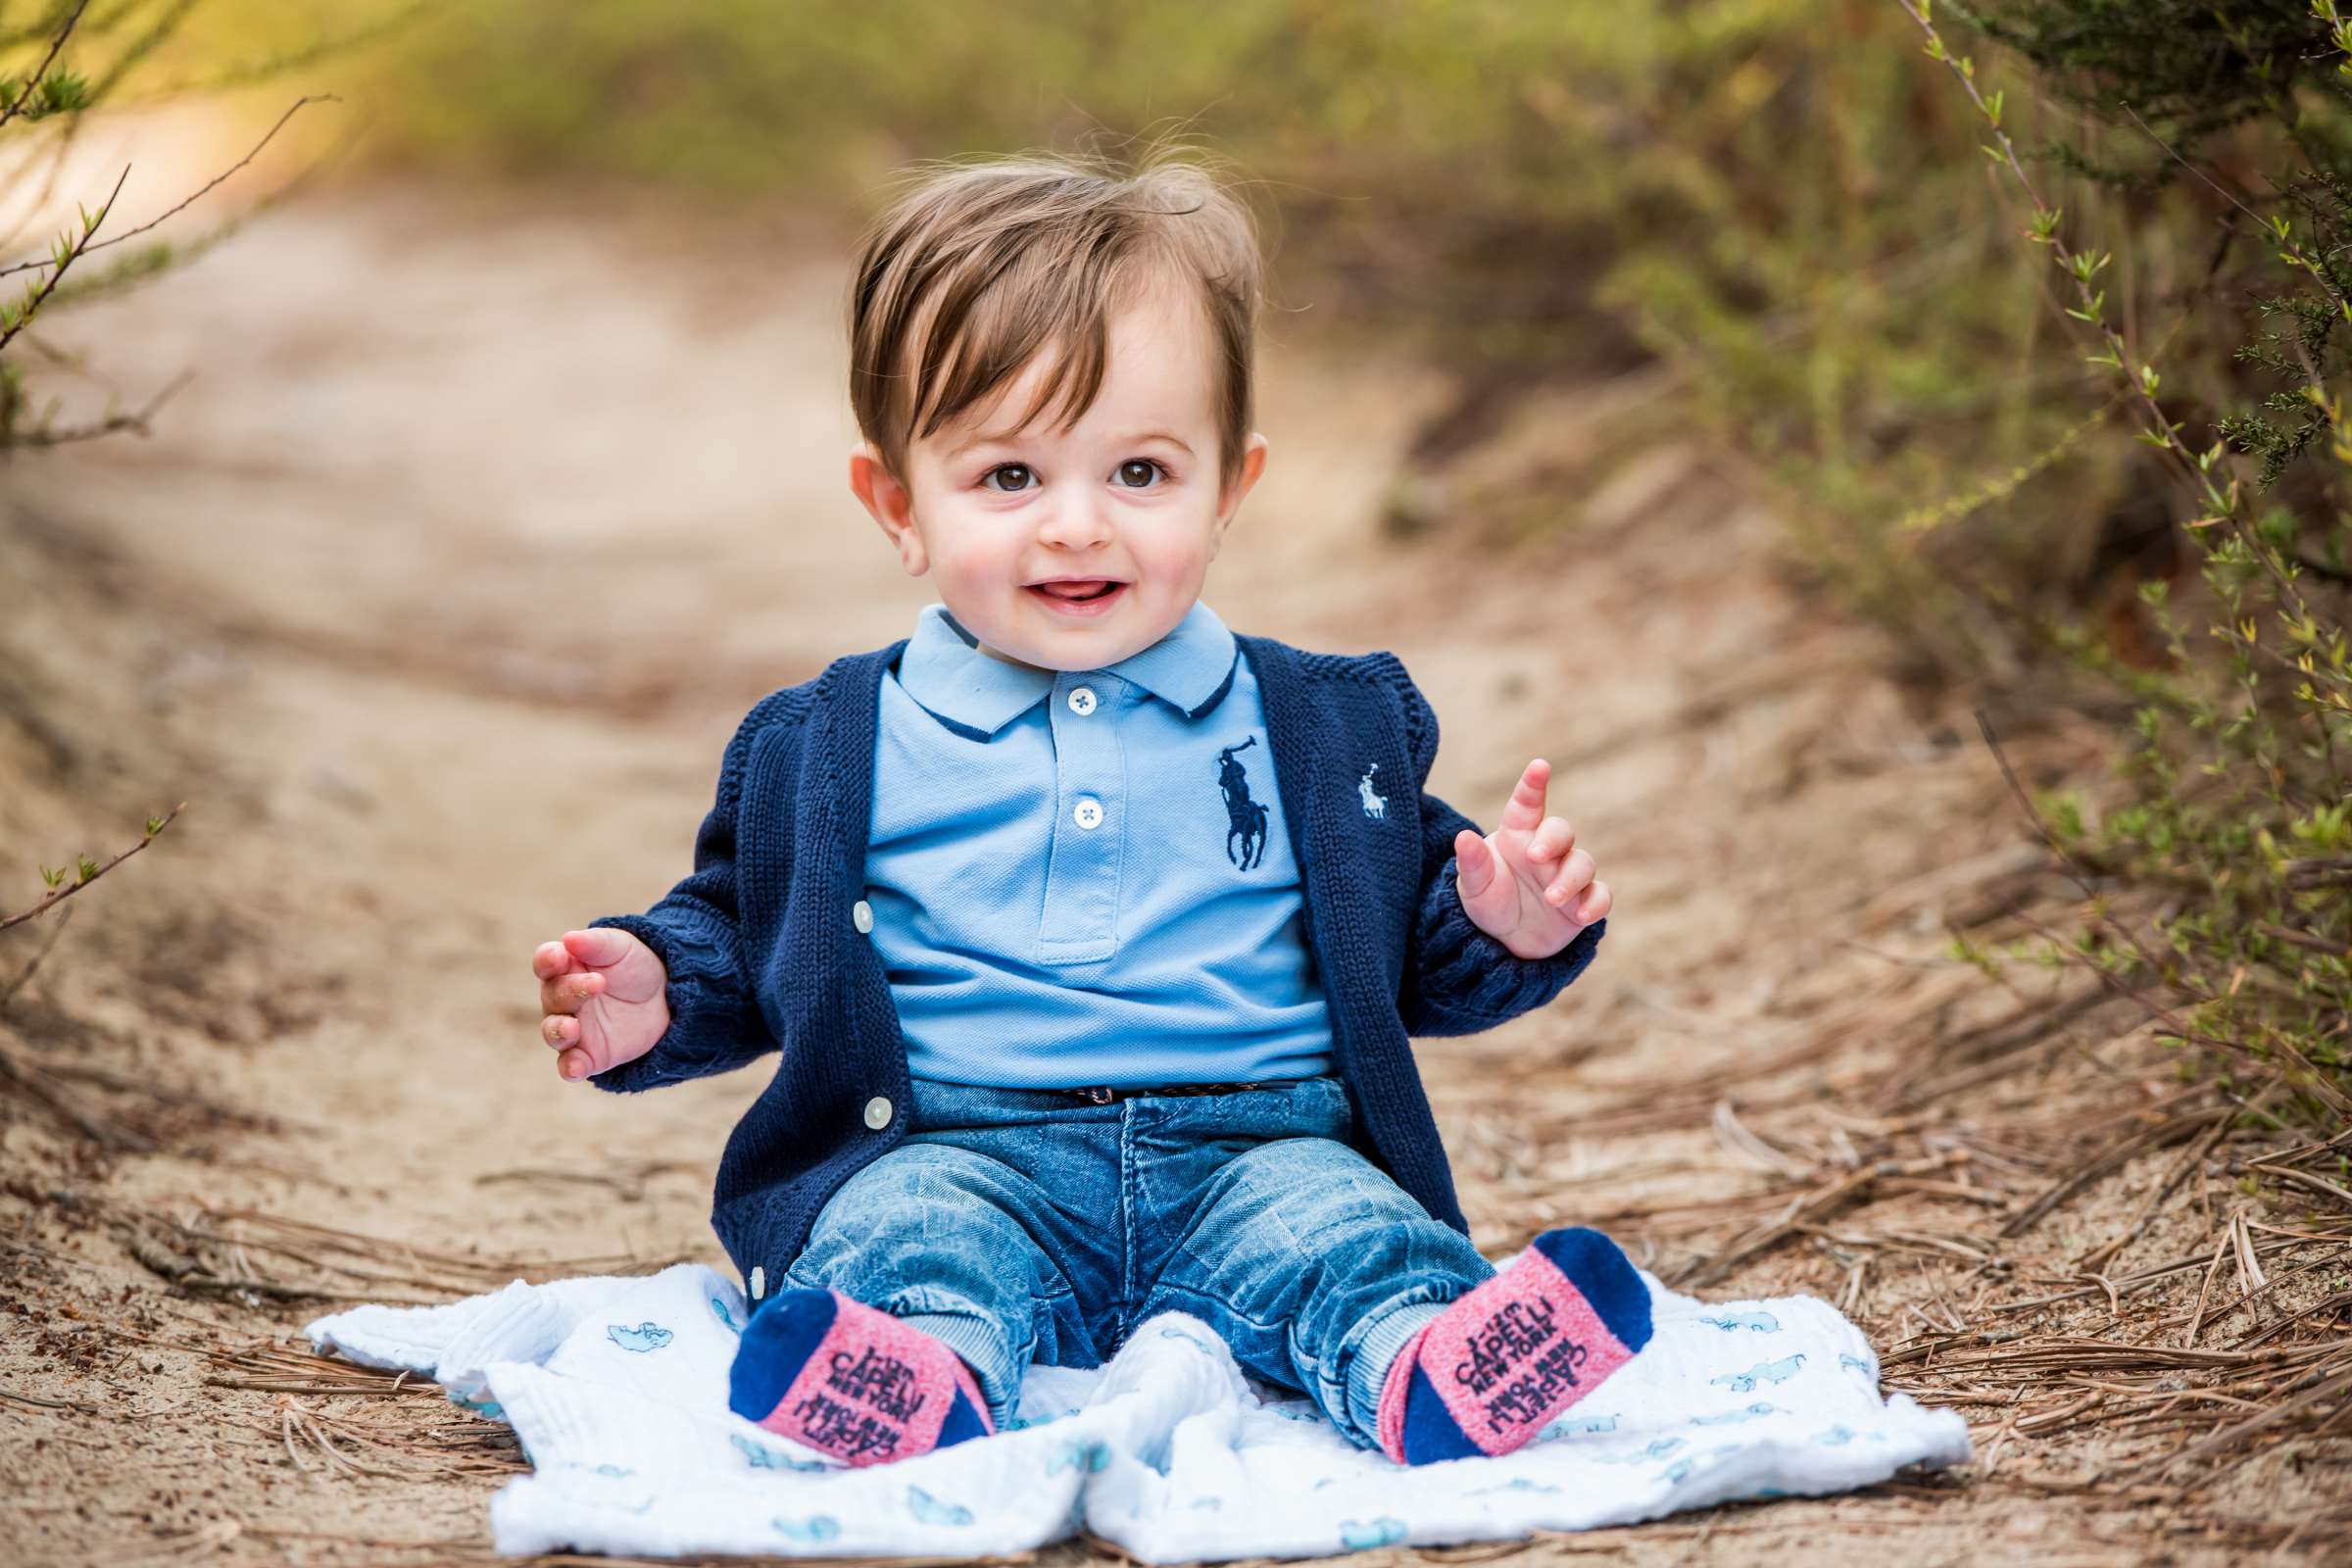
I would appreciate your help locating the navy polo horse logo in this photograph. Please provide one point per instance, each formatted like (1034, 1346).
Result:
(1245, 819)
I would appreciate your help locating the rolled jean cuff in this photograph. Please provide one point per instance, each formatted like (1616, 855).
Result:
(1369, 1371)
(982, 1346)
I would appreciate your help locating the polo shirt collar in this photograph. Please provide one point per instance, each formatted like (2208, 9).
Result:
(1191, 668)
(943, 668)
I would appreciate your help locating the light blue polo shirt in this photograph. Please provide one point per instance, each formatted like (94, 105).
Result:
(1084, 877)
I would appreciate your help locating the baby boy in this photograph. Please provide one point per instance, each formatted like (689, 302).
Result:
(1090, 933)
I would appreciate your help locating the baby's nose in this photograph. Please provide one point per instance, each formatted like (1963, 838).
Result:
(1075, 524)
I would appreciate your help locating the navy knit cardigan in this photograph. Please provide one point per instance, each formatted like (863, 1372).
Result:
(764, 956)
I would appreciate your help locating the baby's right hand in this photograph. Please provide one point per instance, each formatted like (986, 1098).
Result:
(606, 996)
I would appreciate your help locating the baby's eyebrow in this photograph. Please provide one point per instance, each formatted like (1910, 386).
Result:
(1154, 435)
(1007, 438)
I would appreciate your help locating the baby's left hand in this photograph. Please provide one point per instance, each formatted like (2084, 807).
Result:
(1520, 883)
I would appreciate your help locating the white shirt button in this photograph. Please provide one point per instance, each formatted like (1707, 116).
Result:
(1088, 812)
(861, 915)
(1082, 699)
(877, 1114)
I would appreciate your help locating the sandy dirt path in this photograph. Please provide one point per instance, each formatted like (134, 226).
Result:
(437, 595)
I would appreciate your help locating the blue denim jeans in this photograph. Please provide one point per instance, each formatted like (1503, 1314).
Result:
(1023, 1225)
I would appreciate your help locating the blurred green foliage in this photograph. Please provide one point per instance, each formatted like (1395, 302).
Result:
(2220, 889)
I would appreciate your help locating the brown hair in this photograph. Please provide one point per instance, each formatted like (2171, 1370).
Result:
(979, 265)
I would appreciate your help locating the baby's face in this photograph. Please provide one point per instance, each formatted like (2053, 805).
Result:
(1073, 548)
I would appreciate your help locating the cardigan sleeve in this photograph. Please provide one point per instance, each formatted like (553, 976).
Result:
(1457, 979)
(714, 1020)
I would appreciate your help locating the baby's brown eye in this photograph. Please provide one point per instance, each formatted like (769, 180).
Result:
(1138, 470)
(1019, 468)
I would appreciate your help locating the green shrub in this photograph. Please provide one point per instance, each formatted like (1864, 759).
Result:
(2235, 835)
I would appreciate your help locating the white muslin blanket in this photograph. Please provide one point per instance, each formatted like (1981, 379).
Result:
(618, 1390)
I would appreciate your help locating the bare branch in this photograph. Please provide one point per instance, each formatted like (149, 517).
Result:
(135, 420)
(48, 261)
(33, 304)
(59, 895)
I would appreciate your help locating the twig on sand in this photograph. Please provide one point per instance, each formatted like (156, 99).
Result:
(58, 894)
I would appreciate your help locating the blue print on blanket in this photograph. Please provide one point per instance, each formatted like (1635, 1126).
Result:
(1515, 1483)
(929, 1510)
(1361, 1534)
(1855, 1363)
(1087, 1458)
(726, 1319)
(488, 1410)
(816, 1527)
(1179, 1334)
(1657, 1448)
(1679, 1471)
(1573, 1426)
(760, 1456)
(812, 1529)
(1746, 1412)
(643, 1339)
(1753, 1322)
(1780, 1371)
(1839, 1436)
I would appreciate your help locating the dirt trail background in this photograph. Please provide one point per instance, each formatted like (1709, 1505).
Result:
(436, 597)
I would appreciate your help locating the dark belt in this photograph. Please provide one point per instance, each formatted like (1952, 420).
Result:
(1104, 1094)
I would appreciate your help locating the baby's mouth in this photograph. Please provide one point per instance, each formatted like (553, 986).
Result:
(1078, 591)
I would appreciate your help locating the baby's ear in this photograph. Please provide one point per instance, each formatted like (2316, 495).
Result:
(1254, 464)
(890, 503)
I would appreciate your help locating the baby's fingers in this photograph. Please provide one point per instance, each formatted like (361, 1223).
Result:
(1551, 839)
(1474, 865)
(1486, 884)
(1572, 879)
(551, 959)
(1525, 809)
(581, 1045)
(570, 992)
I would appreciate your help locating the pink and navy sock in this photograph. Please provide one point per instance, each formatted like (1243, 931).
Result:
(1498, 1364)
(851, 1381)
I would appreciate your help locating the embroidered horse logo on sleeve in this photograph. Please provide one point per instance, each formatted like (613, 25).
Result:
(1245, 819)
(1374, 804)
